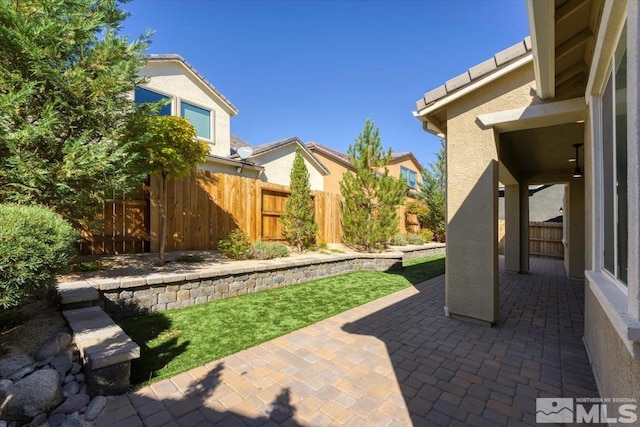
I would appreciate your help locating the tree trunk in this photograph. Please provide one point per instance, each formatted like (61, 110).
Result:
(163, 216)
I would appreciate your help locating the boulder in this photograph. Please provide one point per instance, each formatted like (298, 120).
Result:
(76, 368)
(68, 379)
(95, 407)
(53, 345)
(57, 420)
(33, 395)
(72, 404)
(12, 364)
(39, 420)
(4, 386)
(80, 378)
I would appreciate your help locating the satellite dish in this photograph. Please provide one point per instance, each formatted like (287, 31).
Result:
(244, 152)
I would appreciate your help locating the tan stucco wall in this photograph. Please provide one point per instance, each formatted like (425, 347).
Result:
(472, 194)
(331, 181)
(617, 373)
(278, 163)
(172, 79)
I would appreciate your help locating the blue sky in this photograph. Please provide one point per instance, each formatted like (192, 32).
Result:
(319, 69)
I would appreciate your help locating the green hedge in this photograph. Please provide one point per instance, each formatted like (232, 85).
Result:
(35, 245)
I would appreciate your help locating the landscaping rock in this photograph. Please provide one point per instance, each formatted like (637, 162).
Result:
(39, 420)
(73, 421)
(21, 373)
(76, 368)
(95, 407)
(35, 394)
(12, 364)
(72, 404)
(80, 378)
(69, 378)
(53, 345)
(3, 423)
(57, 420)
(44, 362)
(70, 389)
(63, 362)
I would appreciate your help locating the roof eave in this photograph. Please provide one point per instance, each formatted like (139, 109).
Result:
(425, 115)
(231, 109)
(542, 26)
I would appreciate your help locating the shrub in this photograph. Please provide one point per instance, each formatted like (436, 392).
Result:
(323, 246)
(235, 245)
(35, 245)
(426, 234)
(415, 239)
(268, 250)
(398, 240)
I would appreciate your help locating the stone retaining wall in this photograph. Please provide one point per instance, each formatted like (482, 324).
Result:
(158, 292)
(413, 252)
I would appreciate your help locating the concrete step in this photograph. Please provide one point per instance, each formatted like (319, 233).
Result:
(74, 295)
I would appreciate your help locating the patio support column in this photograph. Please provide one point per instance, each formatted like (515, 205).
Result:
(471, 281)
(524, 227)
(576, 229)
(512, 227)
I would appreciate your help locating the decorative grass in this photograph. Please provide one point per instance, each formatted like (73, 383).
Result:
(175, 341)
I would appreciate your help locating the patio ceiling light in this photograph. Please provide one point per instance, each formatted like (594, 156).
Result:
(577, 172)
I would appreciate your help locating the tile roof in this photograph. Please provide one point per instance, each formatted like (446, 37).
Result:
(329, 152)
(237, 142)
(264, 148)
(176, 57)
(475, 73)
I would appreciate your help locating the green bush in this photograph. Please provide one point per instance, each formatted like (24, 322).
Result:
(415, 239)
(235, 245)
(268, 250)
(323, 246)
(35, 245)
(426, 234)
(398, 240)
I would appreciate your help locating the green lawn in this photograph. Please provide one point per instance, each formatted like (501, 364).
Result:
(175, 341)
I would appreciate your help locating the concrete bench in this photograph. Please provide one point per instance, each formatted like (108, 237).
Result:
(105, 349)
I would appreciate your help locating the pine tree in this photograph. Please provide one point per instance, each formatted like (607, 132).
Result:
(432, 192)
(65, 81)
(298, 226)
(371, 196)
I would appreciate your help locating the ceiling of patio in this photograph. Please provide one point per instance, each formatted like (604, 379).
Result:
(543, 153)
(576, 22)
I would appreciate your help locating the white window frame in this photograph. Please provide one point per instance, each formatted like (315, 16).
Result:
(611, 294)
(212, 121)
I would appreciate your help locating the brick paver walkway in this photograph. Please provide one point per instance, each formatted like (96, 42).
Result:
(395, 361)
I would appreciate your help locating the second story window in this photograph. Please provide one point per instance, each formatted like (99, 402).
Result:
(409, 176)
(143, 95)
(199, 117)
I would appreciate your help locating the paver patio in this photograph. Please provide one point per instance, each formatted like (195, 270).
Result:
(395, 361)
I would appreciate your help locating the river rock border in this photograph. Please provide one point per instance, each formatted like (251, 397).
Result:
(158, 292)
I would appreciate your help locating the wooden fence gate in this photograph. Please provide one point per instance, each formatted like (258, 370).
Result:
(545, 239)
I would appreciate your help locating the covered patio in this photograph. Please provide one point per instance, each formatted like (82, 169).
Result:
(395, 361)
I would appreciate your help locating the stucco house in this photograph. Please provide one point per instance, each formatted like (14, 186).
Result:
(520, 118)
(192, 96)
(402, 164)
(276, 159)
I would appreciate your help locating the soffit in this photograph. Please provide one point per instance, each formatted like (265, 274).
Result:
(576, 24)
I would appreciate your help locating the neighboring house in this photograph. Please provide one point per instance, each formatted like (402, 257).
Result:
(276, 159)
(546, 203)
(403, 165)
(192, 96)
(516, 118)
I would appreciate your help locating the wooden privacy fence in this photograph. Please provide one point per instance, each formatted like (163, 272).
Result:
(206, 206)
(545, 239)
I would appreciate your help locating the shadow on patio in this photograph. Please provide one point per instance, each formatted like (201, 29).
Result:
(453, 371)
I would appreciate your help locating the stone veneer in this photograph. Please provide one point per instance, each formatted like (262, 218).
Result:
(157, 292)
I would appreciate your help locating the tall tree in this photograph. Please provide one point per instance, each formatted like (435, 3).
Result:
(65, 81)
(433, 193)
(371, 195)
(168, 148)
(298, 226)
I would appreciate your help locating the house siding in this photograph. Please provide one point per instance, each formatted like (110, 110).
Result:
(331, 181)
(279, 162)
(173, 79)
